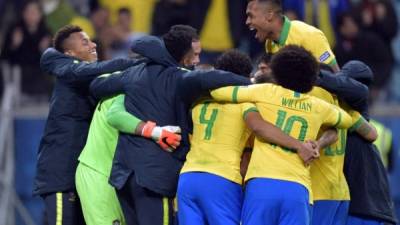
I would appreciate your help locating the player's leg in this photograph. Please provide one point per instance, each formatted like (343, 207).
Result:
(355, 220)
(151, 208)
(342, 212)
(189, 211)
(99, 201)
(127, 204)
(63, 208)
(330, 212)
(219, 202)
(259, 206)
(295, 208)
(282, 202)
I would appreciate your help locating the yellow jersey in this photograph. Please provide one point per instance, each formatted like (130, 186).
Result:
(299, 33)
(327, 177)
(298, 115)
(219, 137)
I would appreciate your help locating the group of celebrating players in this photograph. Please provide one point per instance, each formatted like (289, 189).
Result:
(125, 138)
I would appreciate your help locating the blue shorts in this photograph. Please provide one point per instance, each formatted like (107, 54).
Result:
(207, 199)
(329, 212)
(278, 202)
(353, 220)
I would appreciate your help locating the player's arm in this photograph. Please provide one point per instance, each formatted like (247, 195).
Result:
(68, 68)
(167, 137)
(334, 116)
(107, 85)
(238, 94)
(318, 44)
(327, 138)
(354, 93)
(196, 83)
(274, 135)
(363, 127)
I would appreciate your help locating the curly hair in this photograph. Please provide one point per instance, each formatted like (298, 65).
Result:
(62, 34)
(295, 68)
(178, 40)
(234, 61)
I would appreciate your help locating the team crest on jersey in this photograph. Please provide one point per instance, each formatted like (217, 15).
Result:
(116, 222)
(324, 56)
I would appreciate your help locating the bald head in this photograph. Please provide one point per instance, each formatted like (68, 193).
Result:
(264, 16)
(275, 5)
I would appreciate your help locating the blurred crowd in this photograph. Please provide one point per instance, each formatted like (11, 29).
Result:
(356, 29)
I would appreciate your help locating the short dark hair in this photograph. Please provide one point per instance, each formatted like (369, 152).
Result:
(295, 68)
(62, 34)
(124, 10)
(178, 40)
(265, 58)
(235, 61)
(276, 3)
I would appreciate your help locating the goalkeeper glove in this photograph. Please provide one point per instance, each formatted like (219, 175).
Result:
(168, 137)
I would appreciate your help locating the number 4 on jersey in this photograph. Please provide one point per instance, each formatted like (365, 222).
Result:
(209, 122)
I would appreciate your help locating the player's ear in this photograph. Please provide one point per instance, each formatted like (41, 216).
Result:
(269, 16)
(69, 53)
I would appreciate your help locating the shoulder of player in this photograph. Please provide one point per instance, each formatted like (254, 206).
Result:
(323, 94)
(321, 103)
(304, 28)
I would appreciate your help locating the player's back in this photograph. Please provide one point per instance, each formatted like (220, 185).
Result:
(298, 115)
(327, 177)
(219, 137)
(102, 140)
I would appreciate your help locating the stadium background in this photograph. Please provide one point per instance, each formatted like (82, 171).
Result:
(357, 29)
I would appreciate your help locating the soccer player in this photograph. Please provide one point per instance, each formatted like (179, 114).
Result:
(330, 190)
(219, 137)
(73, 62)
(99, 201)
(278, 186)
(161, 91)
(276, 30)
(365, 173)
(263, 73)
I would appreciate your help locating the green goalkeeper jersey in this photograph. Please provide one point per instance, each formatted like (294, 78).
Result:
(109, 117)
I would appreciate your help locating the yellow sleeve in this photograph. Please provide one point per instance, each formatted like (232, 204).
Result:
(336, 117)
(235, 94)
(319, 46)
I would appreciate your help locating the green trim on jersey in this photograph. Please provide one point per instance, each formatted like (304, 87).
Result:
(339, 120)
(252, 109)
(234, 94)
(333, 62)
(357, 124)
(285, 31)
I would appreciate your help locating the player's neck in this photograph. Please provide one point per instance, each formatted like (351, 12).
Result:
(279, 27)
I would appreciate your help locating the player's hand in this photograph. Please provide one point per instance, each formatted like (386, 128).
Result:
(168, 137)
(308, 151)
